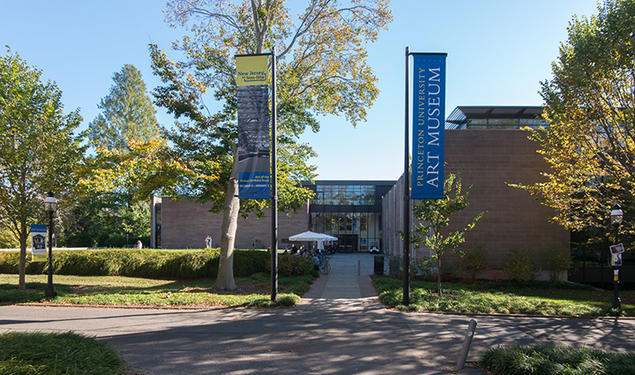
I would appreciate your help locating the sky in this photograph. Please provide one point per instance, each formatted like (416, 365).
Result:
(498, 53)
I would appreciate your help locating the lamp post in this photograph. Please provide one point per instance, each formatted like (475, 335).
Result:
(617, 216)
(50, 205)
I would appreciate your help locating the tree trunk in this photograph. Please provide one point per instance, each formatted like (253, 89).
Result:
(22, 264)
(225, 277)
(439, 276)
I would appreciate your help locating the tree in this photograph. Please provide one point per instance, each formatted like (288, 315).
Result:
(116, 186)
(127, 112)
(126, 129)
(321, 70)
(432, 216)
(589, 145)
(38, 151)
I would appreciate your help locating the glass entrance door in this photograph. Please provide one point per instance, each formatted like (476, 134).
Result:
(348, 243)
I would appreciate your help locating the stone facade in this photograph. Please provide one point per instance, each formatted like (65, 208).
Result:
(186, 223)
(489, 160)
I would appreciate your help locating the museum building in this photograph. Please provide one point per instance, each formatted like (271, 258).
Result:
(485, 145)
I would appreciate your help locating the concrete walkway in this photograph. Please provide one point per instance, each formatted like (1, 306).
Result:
(339, 328)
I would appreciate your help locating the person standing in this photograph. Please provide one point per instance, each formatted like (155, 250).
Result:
(208, 242)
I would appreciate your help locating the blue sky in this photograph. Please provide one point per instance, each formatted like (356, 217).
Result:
(498, 52)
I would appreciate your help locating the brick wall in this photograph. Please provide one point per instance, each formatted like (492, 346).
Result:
(185, 224)
(490, 160)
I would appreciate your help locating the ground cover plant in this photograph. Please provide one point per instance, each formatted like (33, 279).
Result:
(555, 360)
(57, 353)
(127, 291)
(540, 298)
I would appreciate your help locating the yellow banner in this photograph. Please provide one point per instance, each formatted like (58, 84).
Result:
(251, 70)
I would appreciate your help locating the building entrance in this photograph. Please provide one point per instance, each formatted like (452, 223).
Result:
(348, 243)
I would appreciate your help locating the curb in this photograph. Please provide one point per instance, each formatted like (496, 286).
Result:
(598, 317)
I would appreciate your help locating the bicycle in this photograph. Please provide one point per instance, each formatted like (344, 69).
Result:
(325, 266)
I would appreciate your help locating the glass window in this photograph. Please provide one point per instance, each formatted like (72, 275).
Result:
(345, 195)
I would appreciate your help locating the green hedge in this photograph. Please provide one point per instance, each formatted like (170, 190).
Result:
(181, 264)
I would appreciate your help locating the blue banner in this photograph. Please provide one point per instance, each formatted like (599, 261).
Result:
(254, 179)
(38, 242)
(428, 126)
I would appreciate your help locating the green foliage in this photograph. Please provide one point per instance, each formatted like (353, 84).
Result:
(57, 354)
(589, 145)
(127, 112)
(433, 216)
(558, 261)
(321, 69)
(182, 264)
(518, 265)
(7, 239)
(103, 220)
(127, 291)
(501, 297)
(290, 265)
(38, 150)
(555, 360)
(474, 261)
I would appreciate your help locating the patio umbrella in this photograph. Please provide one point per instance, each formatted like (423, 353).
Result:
(312, 236)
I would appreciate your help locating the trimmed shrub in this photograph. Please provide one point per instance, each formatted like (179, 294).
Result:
(149, 263)
(519, 267)
(291, 265)
(474, 261)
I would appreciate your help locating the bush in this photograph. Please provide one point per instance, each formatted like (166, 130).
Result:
(558, 261)
(519, 266)
(57, 353)
(548, 359)
(474, 261)
(291, 265)
(149, 263)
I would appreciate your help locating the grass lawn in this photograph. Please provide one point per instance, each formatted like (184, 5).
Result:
(130, 291)
(57, 354)
(555, 360)
(504, 297)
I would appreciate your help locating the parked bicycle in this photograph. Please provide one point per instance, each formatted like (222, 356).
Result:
(324, 266)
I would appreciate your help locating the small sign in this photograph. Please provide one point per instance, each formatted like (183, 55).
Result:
(616, 275)
(616, 260)
(617, 249)
(38, 242)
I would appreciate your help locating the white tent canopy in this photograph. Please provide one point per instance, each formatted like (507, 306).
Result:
(312, 236)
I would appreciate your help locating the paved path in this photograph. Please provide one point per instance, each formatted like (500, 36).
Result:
(339, 328)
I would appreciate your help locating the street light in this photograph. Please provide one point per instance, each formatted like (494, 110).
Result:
(617, 215)
(50, 205)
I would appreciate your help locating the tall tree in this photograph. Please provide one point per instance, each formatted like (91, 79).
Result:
(322, 69)
(590, 142)
(433, 218)
(125, 126)
(127, 112)
(38, 151)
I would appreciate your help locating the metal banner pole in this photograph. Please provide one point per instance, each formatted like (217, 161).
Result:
(406, 200)
(274, 191)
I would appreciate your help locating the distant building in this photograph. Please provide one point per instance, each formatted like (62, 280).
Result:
(349, 210)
